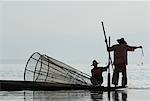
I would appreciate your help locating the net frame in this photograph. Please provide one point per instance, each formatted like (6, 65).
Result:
(42, 68)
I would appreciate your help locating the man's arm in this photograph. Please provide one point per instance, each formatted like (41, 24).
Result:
(105, 68)
(110, 48)
(132, 48)
(135, 47)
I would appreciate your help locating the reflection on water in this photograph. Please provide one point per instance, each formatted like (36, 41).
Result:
(110, 96)
(77, 95)
(95, 96)
(73, 95)
(70, 95)
(117, 97)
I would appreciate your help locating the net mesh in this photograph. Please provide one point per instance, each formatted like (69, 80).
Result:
(42, 68)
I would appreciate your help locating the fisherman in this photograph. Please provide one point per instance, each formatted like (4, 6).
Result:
(120, 60)
(97, 78)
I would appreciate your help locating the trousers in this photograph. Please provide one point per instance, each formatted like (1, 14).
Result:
(121, 68)
(96, 80)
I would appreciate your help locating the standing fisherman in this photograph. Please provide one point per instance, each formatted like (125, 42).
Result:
(120, 60)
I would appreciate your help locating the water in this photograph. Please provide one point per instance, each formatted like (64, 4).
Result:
(138, 87)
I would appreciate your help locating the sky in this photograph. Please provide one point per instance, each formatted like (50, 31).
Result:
(71, 31)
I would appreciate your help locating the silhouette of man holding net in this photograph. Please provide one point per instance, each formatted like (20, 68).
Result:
(120, 60)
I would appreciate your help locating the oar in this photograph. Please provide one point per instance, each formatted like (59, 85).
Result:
(109, 59)
(109, 67)
(108, 82)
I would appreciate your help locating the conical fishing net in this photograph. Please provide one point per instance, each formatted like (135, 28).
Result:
(42, 68)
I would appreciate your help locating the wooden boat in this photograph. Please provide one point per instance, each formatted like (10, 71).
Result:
(10, 85)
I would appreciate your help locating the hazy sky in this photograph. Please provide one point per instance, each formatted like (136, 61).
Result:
(71, 31)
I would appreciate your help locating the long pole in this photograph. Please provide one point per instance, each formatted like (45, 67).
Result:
(109, 59)
(109, 66)
(104, 34)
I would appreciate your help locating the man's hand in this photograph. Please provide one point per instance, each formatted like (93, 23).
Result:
(108, 65)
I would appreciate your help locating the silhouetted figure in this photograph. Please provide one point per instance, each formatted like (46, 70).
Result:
(124, 96)
(116, 96)
(120, 60)
(97, 78)
(97, 95)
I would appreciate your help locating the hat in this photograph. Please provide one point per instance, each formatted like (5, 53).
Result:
(94, 62)
(121, 41)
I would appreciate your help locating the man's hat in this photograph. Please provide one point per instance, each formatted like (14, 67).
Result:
(94, 62)
(121, 41)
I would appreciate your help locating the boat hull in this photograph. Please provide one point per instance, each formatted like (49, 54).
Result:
(10, 85)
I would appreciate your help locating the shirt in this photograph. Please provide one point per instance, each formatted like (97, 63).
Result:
(97, 72)
(120, 53)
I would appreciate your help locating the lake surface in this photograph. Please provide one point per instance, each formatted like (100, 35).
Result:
(138, 87)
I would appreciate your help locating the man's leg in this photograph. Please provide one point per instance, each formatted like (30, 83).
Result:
(124, 77)
(115, 77)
